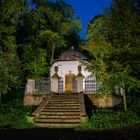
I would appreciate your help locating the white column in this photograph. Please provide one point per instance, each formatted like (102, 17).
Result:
(54, 87)
(80, 84)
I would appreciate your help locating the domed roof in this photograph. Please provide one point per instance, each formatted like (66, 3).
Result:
(72, 54)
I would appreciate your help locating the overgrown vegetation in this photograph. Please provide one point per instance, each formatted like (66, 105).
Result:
(114, 117)
(14, 115)
(12, 112)
(109, 118)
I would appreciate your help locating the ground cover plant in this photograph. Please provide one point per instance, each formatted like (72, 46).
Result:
(105, 118)
(14, 115)
(110, 118)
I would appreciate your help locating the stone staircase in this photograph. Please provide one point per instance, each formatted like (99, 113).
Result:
(62, 110)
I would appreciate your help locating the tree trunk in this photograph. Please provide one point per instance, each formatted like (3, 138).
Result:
(123, 92)
(52, 57)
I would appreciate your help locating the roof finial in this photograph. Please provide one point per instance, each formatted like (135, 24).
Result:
(72, 47)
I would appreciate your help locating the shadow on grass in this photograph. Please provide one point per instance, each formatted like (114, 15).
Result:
(128, 133)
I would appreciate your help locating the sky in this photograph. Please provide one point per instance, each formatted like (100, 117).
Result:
(87, 9)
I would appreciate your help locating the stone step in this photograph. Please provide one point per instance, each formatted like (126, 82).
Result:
(59, 117)
(52, 120)
(60, 113)
(63, 101)
(61, 107)
(62, 104)
(58, 125)
(65, 96)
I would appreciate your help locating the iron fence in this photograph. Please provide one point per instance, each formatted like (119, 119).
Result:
(91, 85)
(42, 86)
(60, 85)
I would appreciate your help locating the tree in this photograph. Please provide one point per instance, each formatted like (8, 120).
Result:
(30, 51)
(115, 45)
(9, 63)
(54, 40)
(59, 18)
(47, 27)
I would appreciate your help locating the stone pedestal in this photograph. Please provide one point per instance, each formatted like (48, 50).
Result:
(80, 83)
(55, 85)
(79, 79)
(55, 80)
(30, 87)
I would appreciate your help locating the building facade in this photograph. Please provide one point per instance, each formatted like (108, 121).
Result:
(68, 74)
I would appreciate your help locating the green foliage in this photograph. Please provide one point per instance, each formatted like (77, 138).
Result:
(35, 61)
(95, 27)
(9, 72)
(14, 115)
(113, 119)
(43, 32)
(54, 40)
(113, 41)
(110, 118)
(9, 63)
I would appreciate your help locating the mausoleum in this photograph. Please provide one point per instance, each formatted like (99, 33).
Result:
(69, 75)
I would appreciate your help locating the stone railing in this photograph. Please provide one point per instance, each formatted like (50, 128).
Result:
(41, 106)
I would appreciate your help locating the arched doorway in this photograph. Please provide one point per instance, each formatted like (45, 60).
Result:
(70, 82)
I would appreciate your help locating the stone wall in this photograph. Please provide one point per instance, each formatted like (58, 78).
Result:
(104, 101)
(30, 100)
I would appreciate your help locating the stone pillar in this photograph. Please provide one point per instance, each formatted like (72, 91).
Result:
(30, 87)
(55, 85)
(79, 79)
(55, 80)
(80, 83)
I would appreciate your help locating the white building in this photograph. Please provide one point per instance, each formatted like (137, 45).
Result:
(68, 74)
